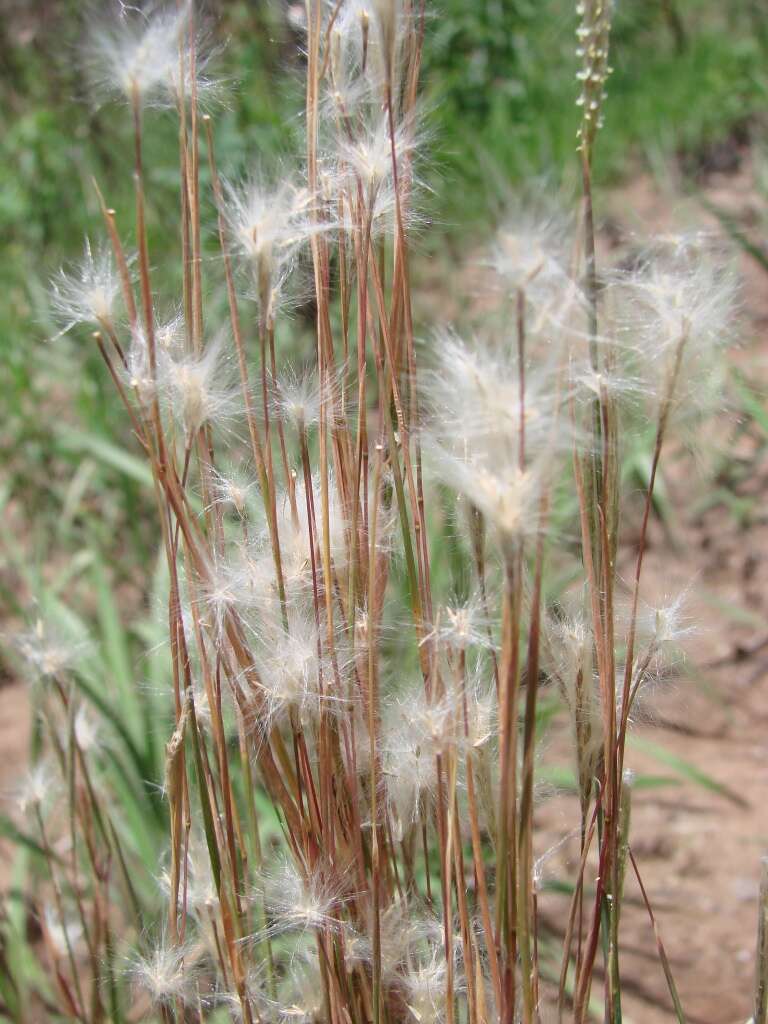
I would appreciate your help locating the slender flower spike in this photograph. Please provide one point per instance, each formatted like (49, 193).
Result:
(295, 535)
(593, 35)
(482, 715)
(668, 625)
(88, 293)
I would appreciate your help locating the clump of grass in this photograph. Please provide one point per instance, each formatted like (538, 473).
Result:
(401, 881)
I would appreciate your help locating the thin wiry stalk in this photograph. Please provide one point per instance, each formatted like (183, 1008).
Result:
(760, 1015)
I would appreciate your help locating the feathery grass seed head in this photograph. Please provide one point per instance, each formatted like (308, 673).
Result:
(147, 56)
(47, 653)
(299, 902)
(87, 293)
(166, 973)
(39, 788)
(199, 389)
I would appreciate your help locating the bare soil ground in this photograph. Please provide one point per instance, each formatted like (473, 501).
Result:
(699, 850)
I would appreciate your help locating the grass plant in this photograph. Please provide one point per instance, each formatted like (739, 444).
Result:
(339, 746)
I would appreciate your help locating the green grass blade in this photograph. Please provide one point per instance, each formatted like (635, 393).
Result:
(686, 770)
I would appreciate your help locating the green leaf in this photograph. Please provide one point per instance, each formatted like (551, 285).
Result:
(564, 778)
(637, 467)
(753, 404)
(110, 455)
(737, 233)
(9, 830)
(116, 651)
(686, 770)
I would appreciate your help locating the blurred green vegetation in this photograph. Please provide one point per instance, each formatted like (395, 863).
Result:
(501, 89)
(499, 106)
